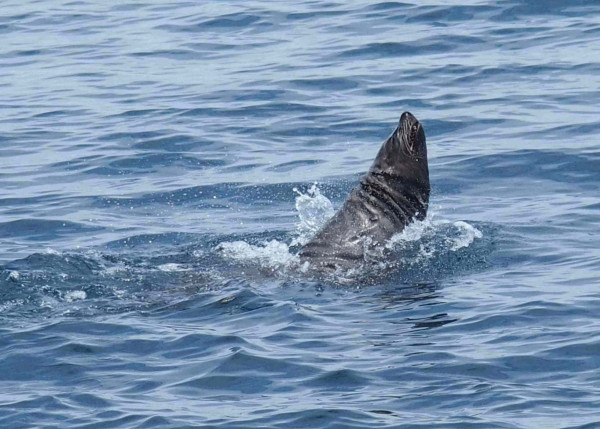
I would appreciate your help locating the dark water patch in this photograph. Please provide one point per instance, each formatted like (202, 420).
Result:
(175, 143)
(561, 167)
(417, 47)
(177, 54)
(392, 49)
(290, 166)
(567, 131)
(25, 201)
(303, 16)
(595, 206)
(229, 22)
(152, 161)
(519, 30)
(398, 104)
(23, 53)
(22, 16)
(139, 112)
(246, 385)
(139, 164)
(350, 418)
(195, 345)
(61, 113)
(389, 5)
(332, 84)
(213, 48)
(242, 363)
(73, 264)
(63, 373)
(339, 380)
(77, 164)
(509, 72)
(243, 167)
(130, 136)
(429, 14)
(517, 9)
(260, 94)
(64, 20)
(268, 109)
(43, 229)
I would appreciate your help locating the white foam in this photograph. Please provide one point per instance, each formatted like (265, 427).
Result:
(433, 237)
(270, 254)
(112, 271)
(75, 295)
(9, 305)
(468, 234)
(170, 268)
(13, 275)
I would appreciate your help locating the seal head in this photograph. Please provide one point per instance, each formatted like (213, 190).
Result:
(394, 191)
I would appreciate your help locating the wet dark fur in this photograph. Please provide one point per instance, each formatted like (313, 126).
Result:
(393, 193)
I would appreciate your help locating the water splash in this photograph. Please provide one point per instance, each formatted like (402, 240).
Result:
(314, 210)
(172, 267)
(271, 254)
(426, 239)
(418, 243)
(74, 295)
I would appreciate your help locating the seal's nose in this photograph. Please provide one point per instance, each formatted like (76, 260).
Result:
(408, 119)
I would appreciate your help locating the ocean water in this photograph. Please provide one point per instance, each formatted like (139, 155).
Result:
(158, 163)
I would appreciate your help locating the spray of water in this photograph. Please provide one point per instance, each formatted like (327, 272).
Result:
(419, 242)
(314, 210)
(422, 241)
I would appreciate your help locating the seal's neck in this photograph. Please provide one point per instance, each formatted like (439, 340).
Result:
(411, 195)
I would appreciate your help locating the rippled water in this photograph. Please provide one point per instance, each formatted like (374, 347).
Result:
(157, 162)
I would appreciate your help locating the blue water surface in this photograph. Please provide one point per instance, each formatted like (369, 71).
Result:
(156, 165)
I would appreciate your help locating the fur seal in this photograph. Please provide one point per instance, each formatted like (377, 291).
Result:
(394, 191)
